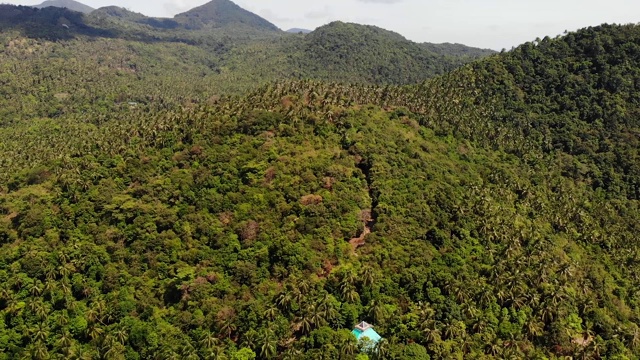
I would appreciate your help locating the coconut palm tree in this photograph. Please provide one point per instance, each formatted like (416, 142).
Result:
(376, 311)
(39, 351)
(208, 340)
(271, 313)
(381, 350)
(348, 347)
(269, 345)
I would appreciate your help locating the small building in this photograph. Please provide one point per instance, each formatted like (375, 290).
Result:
(365, 330)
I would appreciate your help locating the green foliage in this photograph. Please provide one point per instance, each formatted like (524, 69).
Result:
(217, 48)
(413, 351)
(372, 55)
(244, 354)
(481, 214)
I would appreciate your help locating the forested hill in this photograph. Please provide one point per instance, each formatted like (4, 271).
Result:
(576, 95)
(228, 55)
(69, 4)
(374, 55)
(449, 49)
(498, 204)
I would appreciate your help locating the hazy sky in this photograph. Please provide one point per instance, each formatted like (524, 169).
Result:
(492, 24)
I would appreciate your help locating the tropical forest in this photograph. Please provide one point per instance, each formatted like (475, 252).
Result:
(209, 186)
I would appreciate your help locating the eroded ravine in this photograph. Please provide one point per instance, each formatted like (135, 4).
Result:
(368, 216)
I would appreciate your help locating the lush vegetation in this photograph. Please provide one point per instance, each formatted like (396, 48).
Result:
(375, 55)
(238, 53)
(487, 213)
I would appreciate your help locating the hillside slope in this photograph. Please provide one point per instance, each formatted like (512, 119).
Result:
(498, 201)
(575, 95)
(372, 54)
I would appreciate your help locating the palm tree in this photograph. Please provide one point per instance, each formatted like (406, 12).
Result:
(303, 286)
(455, 330)
(271, 313)
(348, 347)
(250, 339)
(368, 276)
(381, 350)
(318, 317)
(36, 289)
(228, 327)
(39, 351)
(188, 352)
(114, 350)
(121, 335)
(596, 347)
(284, 300)
(269, 345)
(50, 287)
(534, 328)
(216, 353)
(209, 341)
(92, 315)
(39, 309)
(65, 341)
(635, 337)
(494, 348)
(65, 287)
(547, 313)
(40, 333)
(348, 280)
(306, 324)
(432, 333)
(5, 294)
(332, 315)
(94, 332)
(79, 353)
(292, 354)
(376, 311)
(350, 295)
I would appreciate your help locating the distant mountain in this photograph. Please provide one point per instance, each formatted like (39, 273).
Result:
(363, 53)
(220, 13)
(450, 49)
(130, 16)
(119, 12)
(69, 4)
(238, 49)
(298, 30)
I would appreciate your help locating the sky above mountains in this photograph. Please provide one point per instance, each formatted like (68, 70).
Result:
(494, 24)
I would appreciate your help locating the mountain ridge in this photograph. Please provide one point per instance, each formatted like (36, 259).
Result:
(374, 53)
(217, 13)
(299, 30)
(68, 4)
(252, 55)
